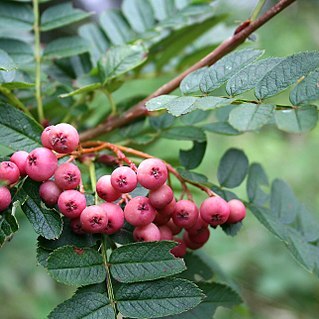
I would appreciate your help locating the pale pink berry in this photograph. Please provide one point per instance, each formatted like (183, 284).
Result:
(67, 176)
(237, 211)
(124, 179)
(185, 213)
(5, 198)
(149, 232)
(94, 219)
(175, 229)
(139, 211)
(166, 233)
(189, 243)
(214, 211)
(168, 209)
(199, 227)
(20, 159)
(105, 190)
(115, 216)
(161, 197)
(179, 250)
(49, 192)
(45, 139)
(152, 173)
(200, 238)
(161, 219)
(76, 226)
(64, 138)
(71, 203)
(9, 172)
(41, 164)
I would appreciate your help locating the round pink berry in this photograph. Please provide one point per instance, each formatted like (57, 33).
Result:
(175, 229)
(105, 190)
(5, 198)
(152, 173)
(9, 172)
(76, 226)
(185, 213)
(198, 228)
(161, 219)
(166, 233)
(64, 138)
(200, 238)
(20, 159)
(71, 203)
(41, 164)
(67, 176)
(139, 211)
(124, 179)
(161, 197)
(168, 209)
(237, 211)
(149, 232)
(189, 243)
(214, 211)
(45, 139)
(115, 216)
(180, 250)
(94, 219)
(50, 192)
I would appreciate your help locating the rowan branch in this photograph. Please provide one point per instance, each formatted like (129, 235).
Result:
(224, 48)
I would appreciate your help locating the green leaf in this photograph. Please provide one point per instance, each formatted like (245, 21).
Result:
(192, 176)
(60, 15)
(125, 234)
(233, 168)
(231, 229)
(139, 14)
(247, 78)
(220, 128)
(285, 73)
(216, 295)
(115, 27)
(46, 222)
(144, 262)
(83, 89)
(19, 51)
(89, 305)
(216, 75)
(76, 266)
(161, 122)
(190, 84)
(6, 63)
(190, 159)
(158, 298)
(15, 16)
(17, 85)
(256, 180)
(185, 133)
(8, 224)
(119, 60)
(194, 117)
(65, 47)
(297, 120)
(307, 90)
(42, 256)
(250, 117)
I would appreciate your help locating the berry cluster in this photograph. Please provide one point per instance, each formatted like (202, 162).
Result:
(157, 216)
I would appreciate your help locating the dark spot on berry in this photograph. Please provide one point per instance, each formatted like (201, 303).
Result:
(156, 172)
(121, 181)
(183, 215)
(32, 160)
(71, 206)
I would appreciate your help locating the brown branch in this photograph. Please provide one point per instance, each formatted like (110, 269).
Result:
(224, 48)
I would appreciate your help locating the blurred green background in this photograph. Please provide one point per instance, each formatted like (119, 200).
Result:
(272, 284)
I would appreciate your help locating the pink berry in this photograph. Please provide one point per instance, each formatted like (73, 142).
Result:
(64, 138)
(149, 232)
(50, 192)
(67, 176)
(124, 179)
(185, 213)
(198, 228)
(161, 197)
(94, 219)
(9, 172)
(20, 159)
(180, 250)
(168, 209)
(115, 216)
(200, 238)
(105, 190)
(5, 198)
(161, 219)
(214, 211)
(45, 139)
(175, 229)
(71, 203)
(76, 226)
(41, 164)
(152, 173)
(237, 211)
(189, 243)
(166, 233)
(139, 211)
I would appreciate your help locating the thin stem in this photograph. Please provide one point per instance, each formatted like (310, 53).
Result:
(37, 57)
(93, 180)
(109, 285)
(111, 100)
(257, 10)
(14, 100)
